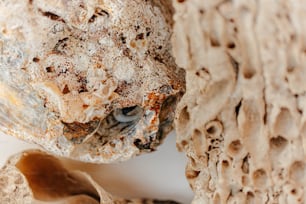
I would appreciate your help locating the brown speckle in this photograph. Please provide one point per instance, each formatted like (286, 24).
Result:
(139, 36)
(92, 19)
(85, 106)
(50, 69)
(35, 59)
(51, 15)
(66, 90)
(235, 146)
(231, 45)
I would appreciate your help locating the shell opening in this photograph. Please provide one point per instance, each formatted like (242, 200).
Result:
(128, 114)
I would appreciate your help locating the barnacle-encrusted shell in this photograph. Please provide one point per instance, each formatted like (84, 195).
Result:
(242, 120)
(91, 80)
(34, 177)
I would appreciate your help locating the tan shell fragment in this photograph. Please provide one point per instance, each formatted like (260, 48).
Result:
(90, 80)
(34, 177)
(242, 119)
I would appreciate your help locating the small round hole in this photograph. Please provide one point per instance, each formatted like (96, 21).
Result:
(235, 146)
(211, 130)
(231, 45)
(249, 73)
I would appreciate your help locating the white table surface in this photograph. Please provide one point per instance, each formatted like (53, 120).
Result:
(160, 174)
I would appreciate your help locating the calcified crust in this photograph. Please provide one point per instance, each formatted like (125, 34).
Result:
(242, 119)
(91, 80)
(34, 177)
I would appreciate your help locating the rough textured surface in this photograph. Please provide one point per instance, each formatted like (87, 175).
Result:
(90, 80)
(242, 119)
(36, 177)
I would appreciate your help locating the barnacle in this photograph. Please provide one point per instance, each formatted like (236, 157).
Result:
(128, 114)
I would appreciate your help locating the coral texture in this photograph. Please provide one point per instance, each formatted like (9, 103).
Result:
(90, 80)
(242, 119)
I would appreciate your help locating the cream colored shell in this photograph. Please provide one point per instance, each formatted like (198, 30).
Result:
(34, 177)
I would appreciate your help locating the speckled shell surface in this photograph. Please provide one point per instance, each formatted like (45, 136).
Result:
(90, 80)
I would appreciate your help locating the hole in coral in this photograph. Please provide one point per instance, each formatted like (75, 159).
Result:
(199, 142)
(285, 124)
(278, 142)
(203, 73)
(297, 171)
(184, 143)
(231, 45)
(245, 180)
(225, 164)
(184, 116)
(211, 130)
(248, 73)
(214, 42)
(245, 164)
(235, 146)
(260, 177)
(193, 162)
(191, 174)
(183, 119)
(290, 69)
(235, 64)
(237, 108)
(250, 198)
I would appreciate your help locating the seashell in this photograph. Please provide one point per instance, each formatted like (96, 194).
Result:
(36, 177)
(90, 80)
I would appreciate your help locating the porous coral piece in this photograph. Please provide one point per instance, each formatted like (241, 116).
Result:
(242, 119)
(90, 80)
(34, 177)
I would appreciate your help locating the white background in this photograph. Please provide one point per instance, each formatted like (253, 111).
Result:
(160, 174)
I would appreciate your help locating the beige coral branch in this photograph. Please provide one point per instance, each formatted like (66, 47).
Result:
(242, 119)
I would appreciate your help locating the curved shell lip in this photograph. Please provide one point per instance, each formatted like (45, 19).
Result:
(34, 176)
